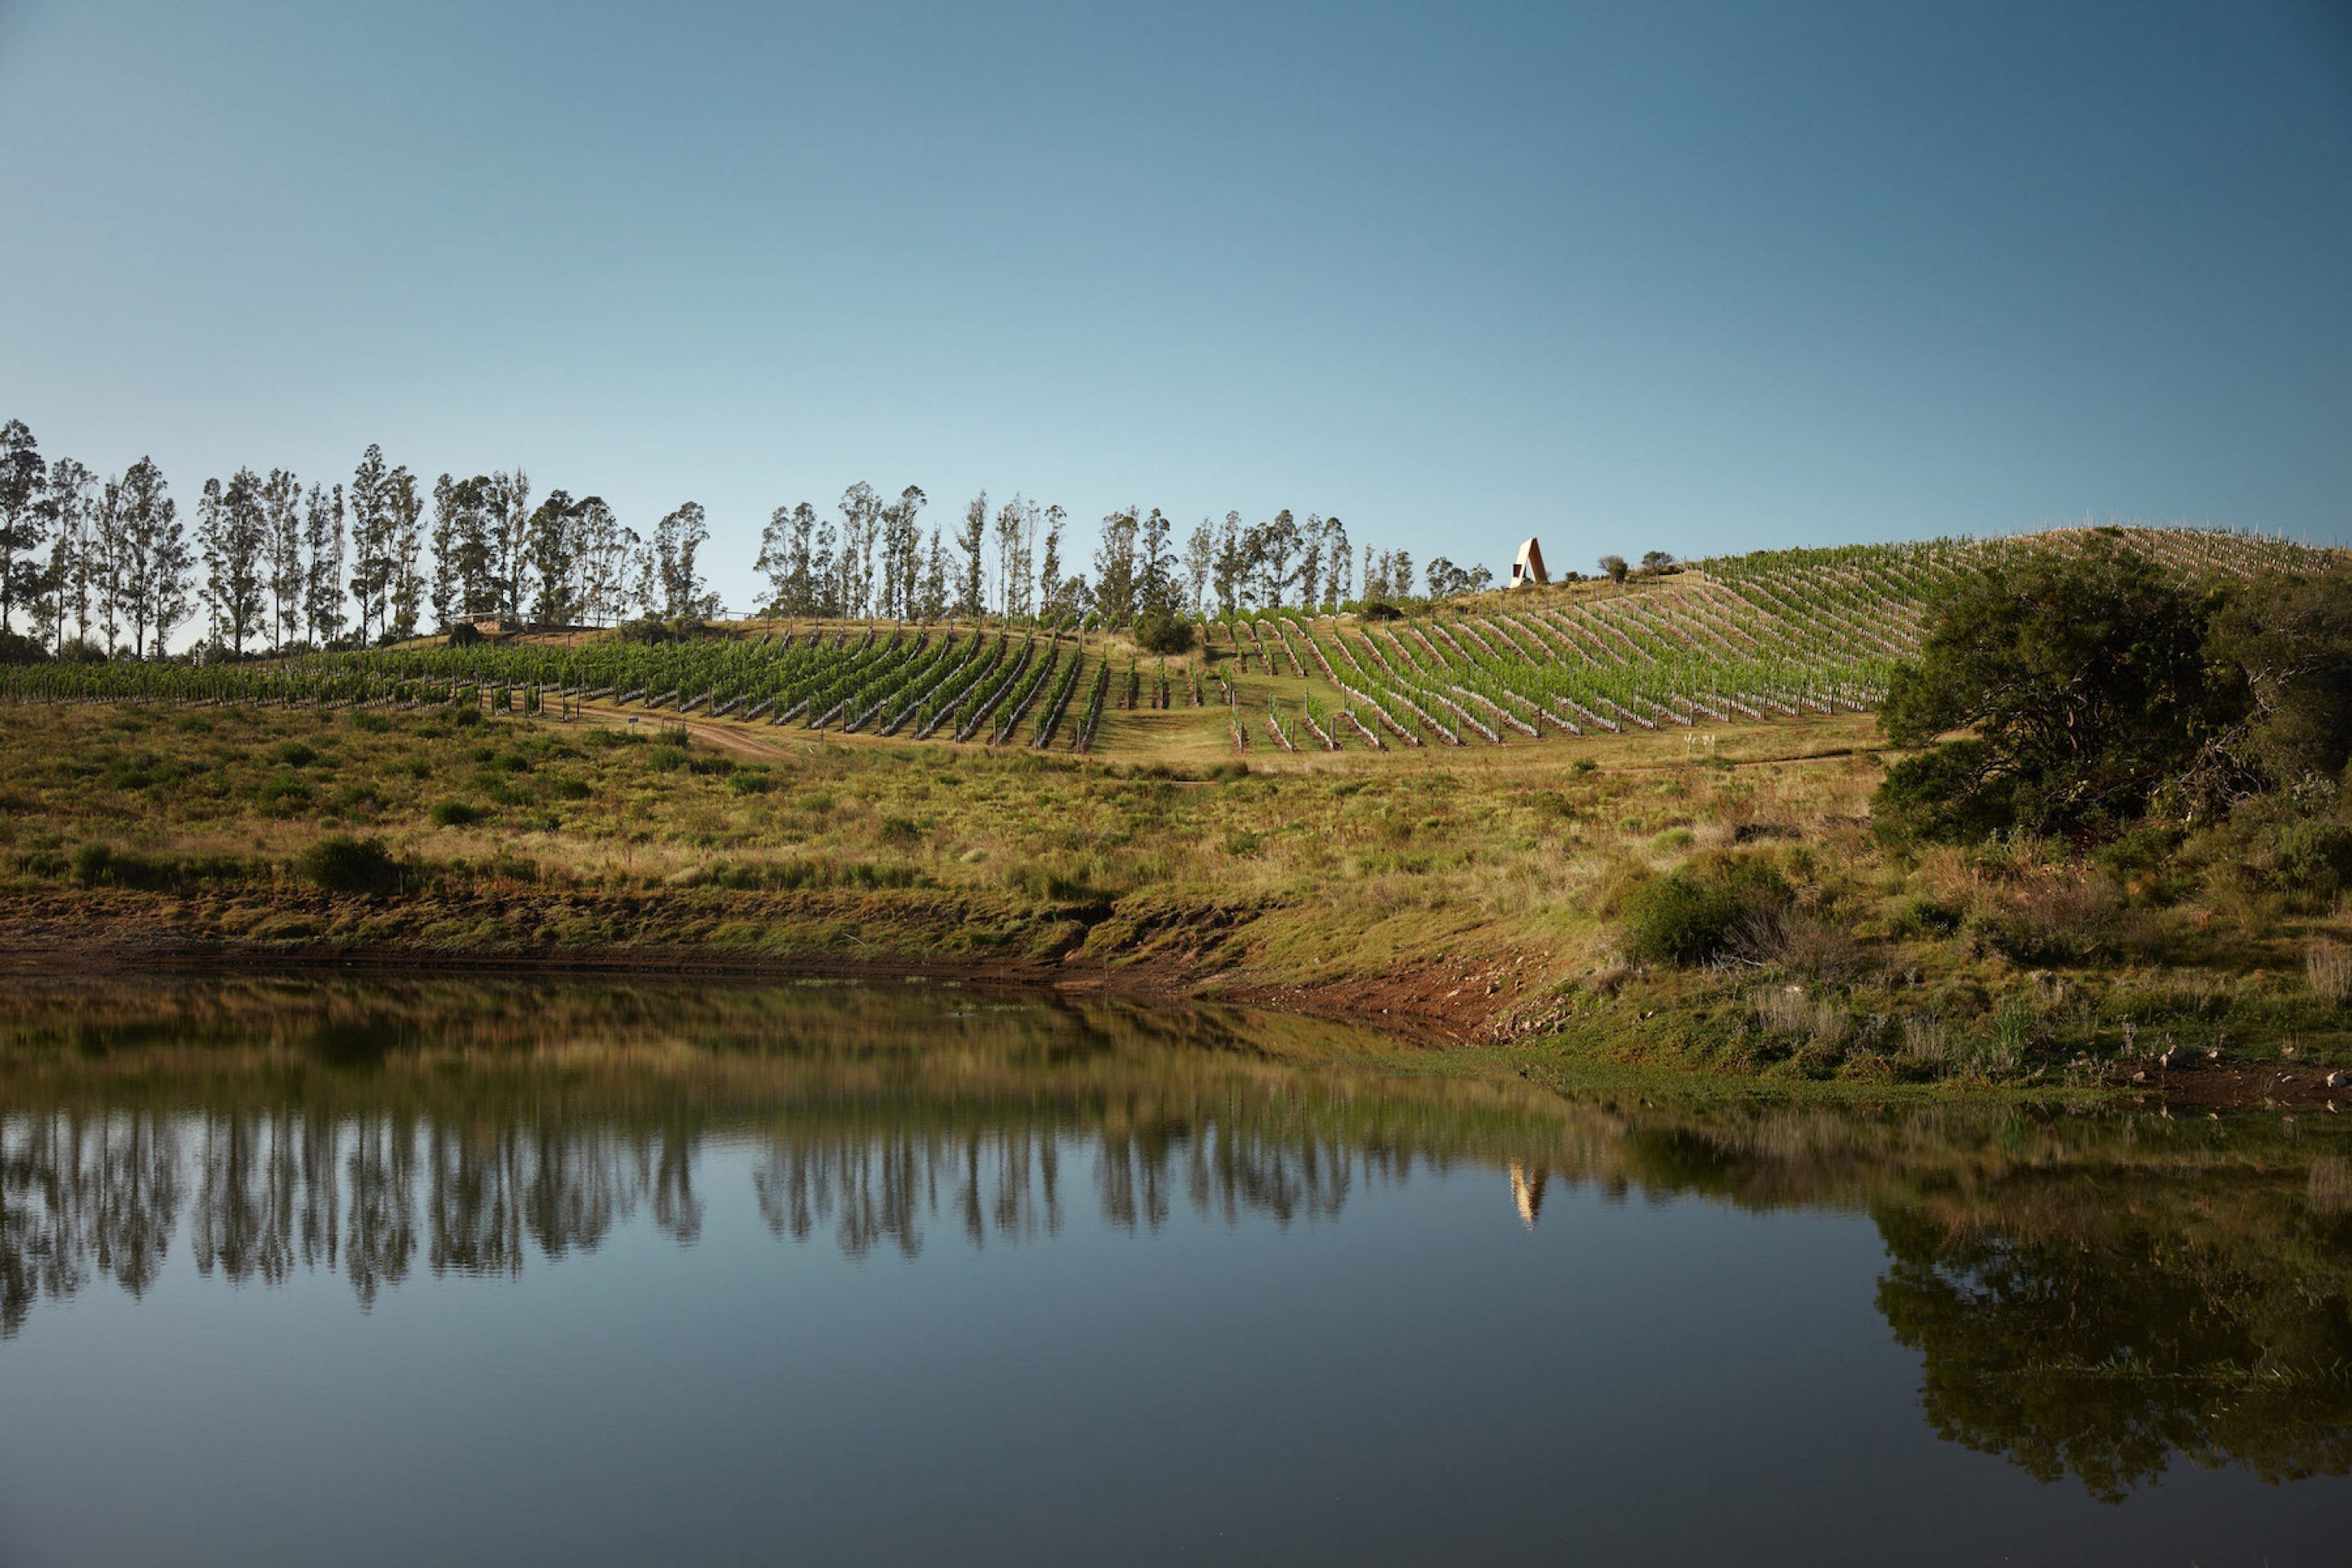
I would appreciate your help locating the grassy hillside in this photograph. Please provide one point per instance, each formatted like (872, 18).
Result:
(528, 798)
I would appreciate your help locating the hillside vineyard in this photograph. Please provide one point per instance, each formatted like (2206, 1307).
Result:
(1729, 640)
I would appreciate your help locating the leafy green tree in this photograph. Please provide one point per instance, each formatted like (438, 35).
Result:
(1615, 566)
(2281, 652)
(2081, 681)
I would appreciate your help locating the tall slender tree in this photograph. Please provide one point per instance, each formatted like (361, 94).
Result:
(404, 509)
(71, 487)
(972, 539)
(323, 550)
(678, 585)
(233, 532)
(932, 604)
(506, 497)
(372, 560)
(602, 547)
(1200, 561)
(553, 531)
(1156, 590)
(1052, 592)
(24, 520)
(281, 500)
(158, 569)
(1339, 588)
(108, 561)
(1232, 569)
(1115, 577)
(1011, 523)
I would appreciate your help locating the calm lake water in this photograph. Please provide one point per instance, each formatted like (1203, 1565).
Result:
(308, 1272)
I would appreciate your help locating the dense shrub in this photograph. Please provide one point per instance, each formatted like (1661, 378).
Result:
(345, 865)
(456, 813)
(1694, 912)
(1156, 631)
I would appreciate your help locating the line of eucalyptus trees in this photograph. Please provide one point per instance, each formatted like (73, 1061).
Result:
(104, 567)
(873, 559)
(97, 567)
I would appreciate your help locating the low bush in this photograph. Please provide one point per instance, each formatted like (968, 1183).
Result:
(456, 813)
(1802, 942)
(2328, 966)
(98, 863)
(345, 865)
(2054, 918)
(1923, 915)
(282, 795)
(295, 753)
(667, 759)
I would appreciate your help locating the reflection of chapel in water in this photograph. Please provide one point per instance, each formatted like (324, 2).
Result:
(1528, 1191)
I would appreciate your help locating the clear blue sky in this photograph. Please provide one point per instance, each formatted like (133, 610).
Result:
(1703, 277)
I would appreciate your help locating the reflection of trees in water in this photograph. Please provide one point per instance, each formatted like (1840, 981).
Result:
(2105, 1362)
(270, 1192)
(275, 1191)
(263, 1193)
(2091, 1296)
